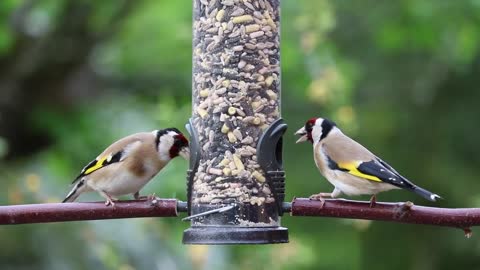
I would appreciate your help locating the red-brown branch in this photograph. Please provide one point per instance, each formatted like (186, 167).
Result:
(59, 212)
(462, 218)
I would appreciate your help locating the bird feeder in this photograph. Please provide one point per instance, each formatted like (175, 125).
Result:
(236, 181)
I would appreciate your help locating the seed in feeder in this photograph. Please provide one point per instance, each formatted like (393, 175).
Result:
(232, 110)
(241, 64)
(271, 94)
(256, 121)
(247, 140)
(231, 137)
(202, 112)
(247, 4)
(223, 117)
(217, 101)
(250, 46)
(260, 178)
(248, 119)
(269, 80)
(224, 162)
(242, 19)
(238, 48)
(226, 83)
(252, 28)
(239, 111)
(238, 134)
(261, 46)
(224, 26)
(225, 129)
(259, 108)
(251, 149)
(238, 163)
(261, 200)
(215, 171)
(249, 67)
(257, 34)
(258, 15)
(227, 171)
(204, 93)
(212, 30)
(217, 110)
(221, 91)
(244, 153)
(256, 104)
(269, 20)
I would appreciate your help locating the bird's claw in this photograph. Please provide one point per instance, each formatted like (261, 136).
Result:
(318, 197)
(109, 202)
(153, 199)
(373, 201)
(150, 197)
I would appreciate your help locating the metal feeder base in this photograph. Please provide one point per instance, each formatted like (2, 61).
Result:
(213, 235)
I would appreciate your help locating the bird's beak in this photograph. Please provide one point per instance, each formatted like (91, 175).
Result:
(303, 135)
(185, 153)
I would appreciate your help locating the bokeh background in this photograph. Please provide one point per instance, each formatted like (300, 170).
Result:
(399, 76)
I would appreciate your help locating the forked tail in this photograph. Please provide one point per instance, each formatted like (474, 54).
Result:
(426, 194)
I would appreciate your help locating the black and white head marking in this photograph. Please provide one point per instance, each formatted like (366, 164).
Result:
(321, 129)
(169, 142)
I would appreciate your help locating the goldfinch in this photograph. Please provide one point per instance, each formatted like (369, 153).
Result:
(128, 164)
(349, 167)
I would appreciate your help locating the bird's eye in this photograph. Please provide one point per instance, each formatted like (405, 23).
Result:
(308, 127)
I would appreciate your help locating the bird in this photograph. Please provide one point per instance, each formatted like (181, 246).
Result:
(350, 167)
(129, 164)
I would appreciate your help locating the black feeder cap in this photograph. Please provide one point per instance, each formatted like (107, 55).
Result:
(218, 224)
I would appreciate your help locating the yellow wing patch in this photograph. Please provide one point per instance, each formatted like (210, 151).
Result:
(352, 169)
(96, 166)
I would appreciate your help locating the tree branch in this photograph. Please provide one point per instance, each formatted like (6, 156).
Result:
(462, 218)
(59, 212)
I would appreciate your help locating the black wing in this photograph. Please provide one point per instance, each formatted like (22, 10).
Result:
(384, 172)
(99, 163)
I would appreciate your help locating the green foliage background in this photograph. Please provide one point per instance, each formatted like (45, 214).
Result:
(399, 76)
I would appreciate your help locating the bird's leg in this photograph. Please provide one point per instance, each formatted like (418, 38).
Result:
(373, 200)
(137, 196)
(109, 199)
(320, 196)
(150, 197)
